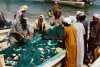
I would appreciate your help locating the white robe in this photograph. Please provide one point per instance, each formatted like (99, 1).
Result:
(80, 43)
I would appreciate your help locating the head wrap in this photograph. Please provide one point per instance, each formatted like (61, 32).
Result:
(42, 17)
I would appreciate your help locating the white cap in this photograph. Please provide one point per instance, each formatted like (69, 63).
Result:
(24, 7)
(55, 2)
(96, 15)
(82, 14)
(78, 12)
(73, 19)
(67, 20)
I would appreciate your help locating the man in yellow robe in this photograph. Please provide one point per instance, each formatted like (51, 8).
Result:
(70, 42)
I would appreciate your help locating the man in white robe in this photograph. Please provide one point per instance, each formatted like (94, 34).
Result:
(80, 42)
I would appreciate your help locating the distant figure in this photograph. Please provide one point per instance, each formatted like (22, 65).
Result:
(3, 22)
(70, 42)
(80, 41)
(40, 24)
(20, 29)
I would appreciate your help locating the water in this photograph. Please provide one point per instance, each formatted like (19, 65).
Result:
(9, 8)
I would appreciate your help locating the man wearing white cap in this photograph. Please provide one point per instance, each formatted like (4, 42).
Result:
(20, 28)
(70, 43)
(94, 38)
(80, 41)
(77, 14)
(82, 18)
(22, 10)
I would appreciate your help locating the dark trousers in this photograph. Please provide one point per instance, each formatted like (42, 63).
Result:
(85, 50)
(91, 47)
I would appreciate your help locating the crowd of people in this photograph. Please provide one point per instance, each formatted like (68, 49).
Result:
(79, 48)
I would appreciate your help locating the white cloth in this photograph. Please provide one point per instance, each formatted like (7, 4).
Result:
(73, 18)
(67, 20)
(97, 16)
(78, 12)
(80, 43)
(82, 14)
(24, 7)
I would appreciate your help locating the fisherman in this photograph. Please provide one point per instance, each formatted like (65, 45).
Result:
(98, 37)
(57, 19)
(80, 41)
(85, 24)
(22, 10)
(3, 22)
(20, 29)
(40, 24)
(70, 42)
(94, 35)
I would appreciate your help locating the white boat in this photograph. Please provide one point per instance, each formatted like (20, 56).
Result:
(4, 30)
(4, 33)
(71, 3)
(3, 38)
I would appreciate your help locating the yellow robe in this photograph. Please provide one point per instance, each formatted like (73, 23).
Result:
(70, 46)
